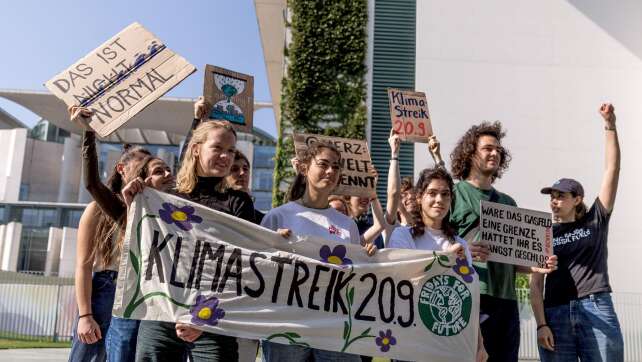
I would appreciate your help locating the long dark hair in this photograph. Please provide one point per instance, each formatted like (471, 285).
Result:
(580, 209)
(115, 180)
(426, 176)
(297, 189)
(462, 156)
(108, 229)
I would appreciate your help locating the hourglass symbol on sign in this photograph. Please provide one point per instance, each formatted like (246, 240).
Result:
(225, 108)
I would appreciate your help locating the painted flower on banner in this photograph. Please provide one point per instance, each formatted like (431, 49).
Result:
(385, 340)
(337, 256)
(183, 217)
(206, 311)
(462, 268)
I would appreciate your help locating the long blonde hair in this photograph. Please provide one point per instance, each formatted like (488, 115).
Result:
(187, 176)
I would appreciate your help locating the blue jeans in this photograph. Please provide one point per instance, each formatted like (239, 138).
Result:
(103, 287)
(276, 352)
(587, 329)
(121, 339)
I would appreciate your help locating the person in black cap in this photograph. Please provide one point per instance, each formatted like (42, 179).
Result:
(575, 315)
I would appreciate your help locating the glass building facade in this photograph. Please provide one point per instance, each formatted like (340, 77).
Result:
(36, 221)
(262, 176)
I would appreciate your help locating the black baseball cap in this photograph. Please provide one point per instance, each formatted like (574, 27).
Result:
(565, 185)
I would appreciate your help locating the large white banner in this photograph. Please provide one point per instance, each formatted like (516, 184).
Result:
(183, 262)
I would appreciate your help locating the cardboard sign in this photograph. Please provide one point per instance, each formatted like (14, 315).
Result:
(120, 78)
(409, 115)
(357, 175)
(516, 236)
(231, 95)
(182, 262)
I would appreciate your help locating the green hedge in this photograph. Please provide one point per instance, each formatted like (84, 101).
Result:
(324, 89)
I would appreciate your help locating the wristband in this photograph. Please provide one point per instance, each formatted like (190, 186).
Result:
(541, 326)
(85, 315)
(609, 128)
(394, 159)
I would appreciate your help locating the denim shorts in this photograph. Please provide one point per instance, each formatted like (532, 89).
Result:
(587, 329)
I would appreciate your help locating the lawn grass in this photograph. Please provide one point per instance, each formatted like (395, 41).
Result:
(9, 343)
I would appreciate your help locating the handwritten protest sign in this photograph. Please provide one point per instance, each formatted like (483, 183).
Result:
(182, 262)
(516, 236)
(409, 115)
(231, 95)
(357, 175)
(120, 78)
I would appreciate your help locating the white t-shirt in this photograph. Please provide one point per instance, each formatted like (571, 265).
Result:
(431, 240)
(325, 223)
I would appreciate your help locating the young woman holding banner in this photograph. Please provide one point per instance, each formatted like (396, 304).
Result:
(308, 213)
(575, 315)
(207, 159)
(97, 254)
(100, 236)
(432, 229)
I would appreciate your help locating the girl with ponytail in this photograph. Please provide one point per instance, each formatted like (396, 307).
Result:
(308, 213)
(97, 334)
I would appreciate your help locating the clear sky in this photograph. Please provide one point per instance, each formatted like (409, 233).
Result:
(41, 38)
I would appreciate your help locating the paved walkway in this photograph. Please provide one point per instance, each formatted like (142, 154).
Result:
(53, 355)
(35, 354)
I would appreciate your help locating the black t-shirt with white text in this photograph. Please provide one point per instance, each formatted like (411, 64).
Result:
(581, 250)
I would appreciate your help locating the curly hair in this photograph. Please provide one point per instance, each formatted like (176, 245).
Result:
(462, 156)
(425, 178)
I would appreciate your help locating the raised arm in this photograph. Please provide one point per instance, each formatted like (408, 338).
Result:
(435, 150)
(608, 190)
(394, 180)
(378, 224)
(104, 197)
(201, 113)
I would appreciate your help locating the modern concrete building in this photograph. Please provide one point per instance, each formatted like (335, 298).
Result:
(41, 193)
(542, 68)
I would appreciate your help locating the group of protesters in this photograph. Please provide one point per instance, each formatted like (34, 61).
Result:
(570, 295)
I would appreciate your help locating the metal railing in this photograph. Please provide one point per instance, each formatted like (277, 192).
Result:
(34, 307)
(628, 307)
(44, 308)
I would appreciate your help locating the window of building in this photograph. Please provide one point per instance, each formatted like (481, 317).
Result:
(71, 218)
(262, 200)
(33, 249)
(263, 157)
(2, 213)
(24, 192)
(262, 179)
(34, 217)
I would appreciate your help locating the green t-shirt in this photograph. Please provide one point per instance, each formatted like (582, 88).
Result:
(495, 279)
